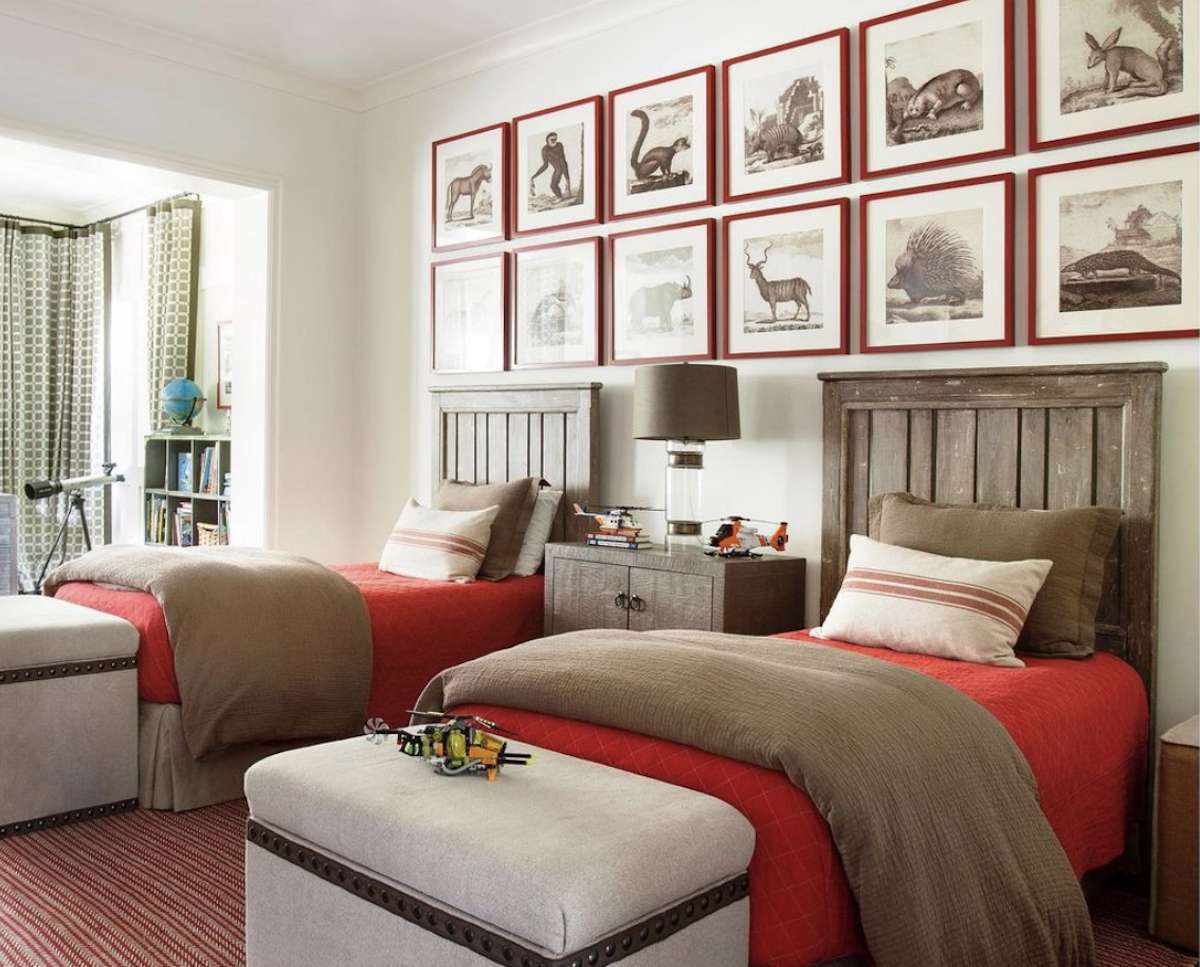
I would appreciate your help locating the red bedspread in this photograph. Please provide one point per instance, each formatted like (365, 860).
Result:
(419, 628)
(1081, 725)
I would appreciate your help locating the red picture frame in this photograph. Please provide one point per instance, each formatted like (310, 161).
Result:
(1034, 175)
(514, 167)
(610, 320)
(842, 34)
(1009, 337)
(1037, 144)
(598, 360)
(843, 274)
(503, 182)
(506, 286)
(1010, 124)
(710, 197)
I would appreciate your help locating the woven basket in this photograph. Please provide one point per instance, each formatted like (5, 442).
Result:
(208, 535)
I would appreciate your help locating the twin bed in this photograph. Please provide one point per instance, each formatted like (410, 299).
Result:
(1053, 437)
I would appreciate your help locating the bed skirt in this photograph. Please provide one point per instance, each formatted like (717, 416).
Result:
(168, 776)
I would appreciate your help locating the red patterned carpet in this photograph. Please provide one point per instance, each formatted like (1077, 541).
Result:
(151, 889)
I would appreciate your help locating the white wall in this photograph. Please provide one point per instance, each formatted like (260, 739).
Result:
(89, 94)
(774, 471)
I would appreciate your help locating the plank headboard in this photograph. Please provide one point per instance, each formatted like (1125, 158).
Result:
(485, 434)
(1045, 437)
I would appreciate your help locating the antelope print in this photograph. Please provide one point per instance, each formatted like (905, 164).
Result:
(468, 186)
(776, 291)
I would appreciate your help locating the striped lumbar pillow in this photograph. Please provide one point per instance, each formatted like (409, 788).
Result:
(951, 607)
(441, 545)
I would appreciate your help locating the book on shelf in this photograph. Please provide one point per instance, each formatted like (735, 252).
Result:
(183, 467)
(156, 519)
(208, 471)
(184, 533)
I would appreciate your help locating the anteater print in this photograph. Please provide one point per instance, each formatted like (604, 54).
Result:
(1132, 263)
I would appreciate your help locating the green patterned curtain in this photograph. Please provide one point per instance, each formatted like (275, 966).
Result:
(52, 323)
(172, 275)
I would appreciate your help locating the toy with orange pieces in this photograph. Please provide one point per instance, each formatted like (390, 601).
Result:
(456, 745)
(737, 537)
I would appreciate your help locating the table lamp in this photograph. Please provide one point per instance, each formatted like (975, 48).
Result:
(686, 405)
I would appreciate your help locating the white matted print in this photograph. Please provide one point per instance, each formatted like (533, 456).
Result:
(557, 318)
(662, 293)
(1117, 253)
(470, 181)
(937, 86)
(469, 314)
(661, 144)
(786, 290)
(786, 109)
(556, 160)
(1103, 67)
(937, 269)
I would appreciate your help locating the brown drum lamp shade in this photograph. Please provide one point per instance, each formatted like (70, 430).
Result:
(685, 405)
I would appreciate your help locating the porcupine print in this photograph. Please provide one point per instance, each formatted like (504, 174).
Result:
(934, 267)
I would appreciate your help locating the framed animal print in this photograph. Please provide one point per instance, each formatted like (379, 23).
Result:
(556, 167)
(470, 188)
(1101, 68)
(936, 86)
(787, 281)
(662, 294)
(787, 117)
(661, 151)
(557, 305)
(1116, 250)
(469, 314)
(937, 266)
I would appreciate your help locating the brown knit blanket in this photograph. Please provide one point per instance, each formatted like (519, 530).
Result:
(932, 806)
(268, 646)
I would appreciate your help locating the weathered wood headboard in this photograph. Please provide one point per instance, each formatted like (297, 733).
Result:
(1045, 437)
(486, 434)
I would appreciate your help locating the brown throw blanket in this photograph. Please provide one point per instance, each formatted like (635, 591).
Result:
(932, 806)
(268, 646)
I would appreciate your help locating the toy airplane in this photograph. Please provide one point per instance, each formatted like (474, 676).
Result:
(736, 537)
(455, 747)
(614, 520)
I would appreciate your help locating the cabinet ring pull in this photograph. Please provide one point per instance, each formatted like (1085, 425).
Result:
(621, 601)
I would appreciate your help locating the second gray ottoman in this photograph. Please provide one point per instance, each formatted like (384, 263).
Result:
(357, 855)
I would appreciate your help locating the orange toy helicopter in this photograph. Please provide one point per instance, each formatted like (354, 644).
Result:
(736, 537)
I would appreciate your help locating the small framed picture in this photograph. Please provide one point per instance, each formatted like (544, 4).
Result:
(787, 117)
(225, 365)
(470, 314)
(663, 300)
(556, 167)
(557, 318)
(1102, 68)
(1116, 250)
(661, 150)
(787, 281)
(470, 188)
(937, 266)
(936, 86)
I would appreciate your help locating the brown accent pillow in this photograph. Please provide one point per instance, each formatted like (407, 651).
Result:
(515, 500)
(1062, 621)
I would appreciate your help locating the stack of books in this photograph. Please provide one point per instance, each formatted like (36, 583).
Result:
(156, 519)
(631, 539)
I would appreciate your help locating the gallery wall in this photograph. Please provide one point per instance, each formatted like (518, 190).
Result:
(773, 472)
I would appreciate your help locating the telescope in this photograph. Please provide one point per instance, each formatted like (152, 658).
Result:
(44, 489)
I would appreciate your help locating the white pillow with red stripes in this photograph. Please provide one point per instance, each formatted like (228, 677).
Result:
(441, 545)
(927, 604)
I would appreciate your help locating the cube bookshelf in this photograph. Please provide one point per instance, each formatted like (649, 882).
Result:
(164, 492)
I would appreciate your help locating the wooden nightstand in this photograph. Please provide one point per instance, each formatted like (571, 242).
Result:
(656, 588)
(1173, 905)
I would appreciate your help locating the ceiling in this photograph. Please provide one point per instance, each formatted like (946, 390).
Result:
(355, 53)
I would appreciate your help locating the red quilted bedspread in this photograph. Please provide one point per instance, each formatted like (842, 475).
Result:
(1081, 725)
(418, 627)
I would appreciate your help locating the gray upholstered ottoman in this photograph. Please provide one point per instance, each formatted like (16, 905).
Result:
(357, 855)
(68, 713)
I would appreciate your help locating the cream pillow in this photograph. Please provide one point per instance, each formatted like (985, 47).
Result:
(533, 548)
(927, 604)
(441, 545)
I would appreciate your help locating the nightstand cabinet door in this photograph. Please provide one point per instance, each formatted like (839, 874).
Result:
(669, 599)
(588, 594)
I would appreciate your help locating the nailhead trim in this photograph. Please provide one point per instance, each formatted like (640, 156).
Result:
(493, 946)
(71, 816)
(64, 669)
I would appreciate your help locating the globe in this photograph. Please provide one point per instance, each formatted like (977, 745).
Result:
(181, 400)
